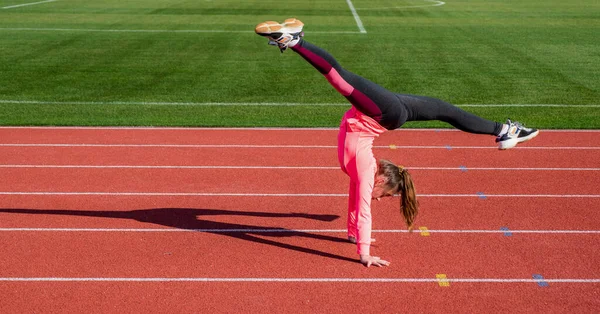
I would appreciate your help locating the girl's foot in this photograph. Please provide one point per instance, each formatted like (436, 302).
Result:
(284, 35)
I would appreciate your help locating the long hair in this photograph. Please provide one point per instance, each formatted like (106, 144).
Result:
(400, 181)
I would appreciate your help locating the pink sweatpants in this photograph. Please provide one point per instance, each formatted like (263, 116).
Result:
(355, 153)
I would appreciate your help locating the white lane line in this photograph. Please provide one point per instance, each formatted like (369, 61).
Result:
(447, 147)
(170, 145)
(286, 194)
(150, 230)
(359, 23)
(283, 167)
(321, 280)
(493, 147)
(149, 31)
(8, 101)
(172, 167)
(501, 169)
(26, 4)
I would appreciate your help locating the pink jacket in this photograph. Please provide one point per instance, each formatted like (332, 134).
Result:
(355, 153)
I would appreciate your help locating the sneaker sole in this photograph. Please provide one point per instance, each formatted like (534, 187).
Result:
(268, 28)
(513, 142)
(508, 144)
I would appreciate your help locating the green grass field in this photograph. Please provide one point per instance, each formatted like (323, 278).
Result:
(198, 63)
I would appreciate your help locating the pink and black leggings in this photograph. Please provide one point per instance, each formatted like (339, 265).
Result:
(389, 109)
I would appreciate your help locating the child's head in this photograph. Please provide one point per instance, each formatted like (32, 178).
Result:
(391, 179)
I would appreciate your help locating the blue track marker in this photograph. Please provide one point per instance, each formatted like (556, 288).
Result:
(448, 147)
(481, 195)
(463, 168)
(540, 280)
(507, 232)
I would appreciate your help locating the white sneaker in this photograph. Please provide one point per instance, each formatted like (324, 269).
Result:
(282, 35)
(516, 134)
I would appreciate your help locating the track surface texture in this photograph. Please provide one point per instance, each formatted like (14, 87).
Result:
(193, 220)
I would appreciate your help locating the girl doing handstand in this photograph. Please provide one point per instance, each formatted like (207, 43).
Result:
(375, 110)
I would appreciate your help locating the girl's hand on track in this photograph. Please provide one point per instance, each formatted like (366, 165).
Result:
(369, 260)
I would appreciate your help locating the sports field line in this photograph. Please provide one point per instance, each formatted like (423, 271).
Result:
(344, 231)
(475, 195)
(283, 167)
(359, 23)
(26, 4)
(447, 147)
(157, 103)
(319, 280)
(435, 3)
(41, 29)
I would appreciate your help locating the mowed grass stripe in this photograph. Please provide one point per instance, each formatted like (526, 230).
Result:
(475, 52)
(257, 104)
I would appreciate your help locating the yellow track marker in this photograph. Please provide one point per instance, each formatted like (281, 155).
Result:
(424, 231)
(442, 280)
(392, 146)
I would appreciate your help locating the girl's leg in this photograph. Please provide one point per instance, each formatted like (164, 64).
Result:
(374, 100)
(421, 108)
(368, 97)
(388, 109)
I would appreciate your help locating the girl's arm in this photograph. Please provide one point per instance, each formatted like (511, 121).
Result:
(364, 220)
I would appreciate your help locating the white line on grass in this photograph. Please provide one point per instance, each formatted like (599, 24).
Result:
(149, 30)
(275, 104)
(158, 230)
(434, 4)
(26, 4)
(290, 146)
(124, 30)
(283, 167)
(17, 193)
(359, 23)
(320, 280)
(168, 103)
(530, 105)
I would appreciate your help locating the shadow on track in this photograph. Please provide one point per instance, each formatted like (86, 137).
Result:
(192, 219)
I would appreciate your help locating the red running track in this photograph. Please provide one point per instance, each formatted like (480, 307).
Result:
(186, 247)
